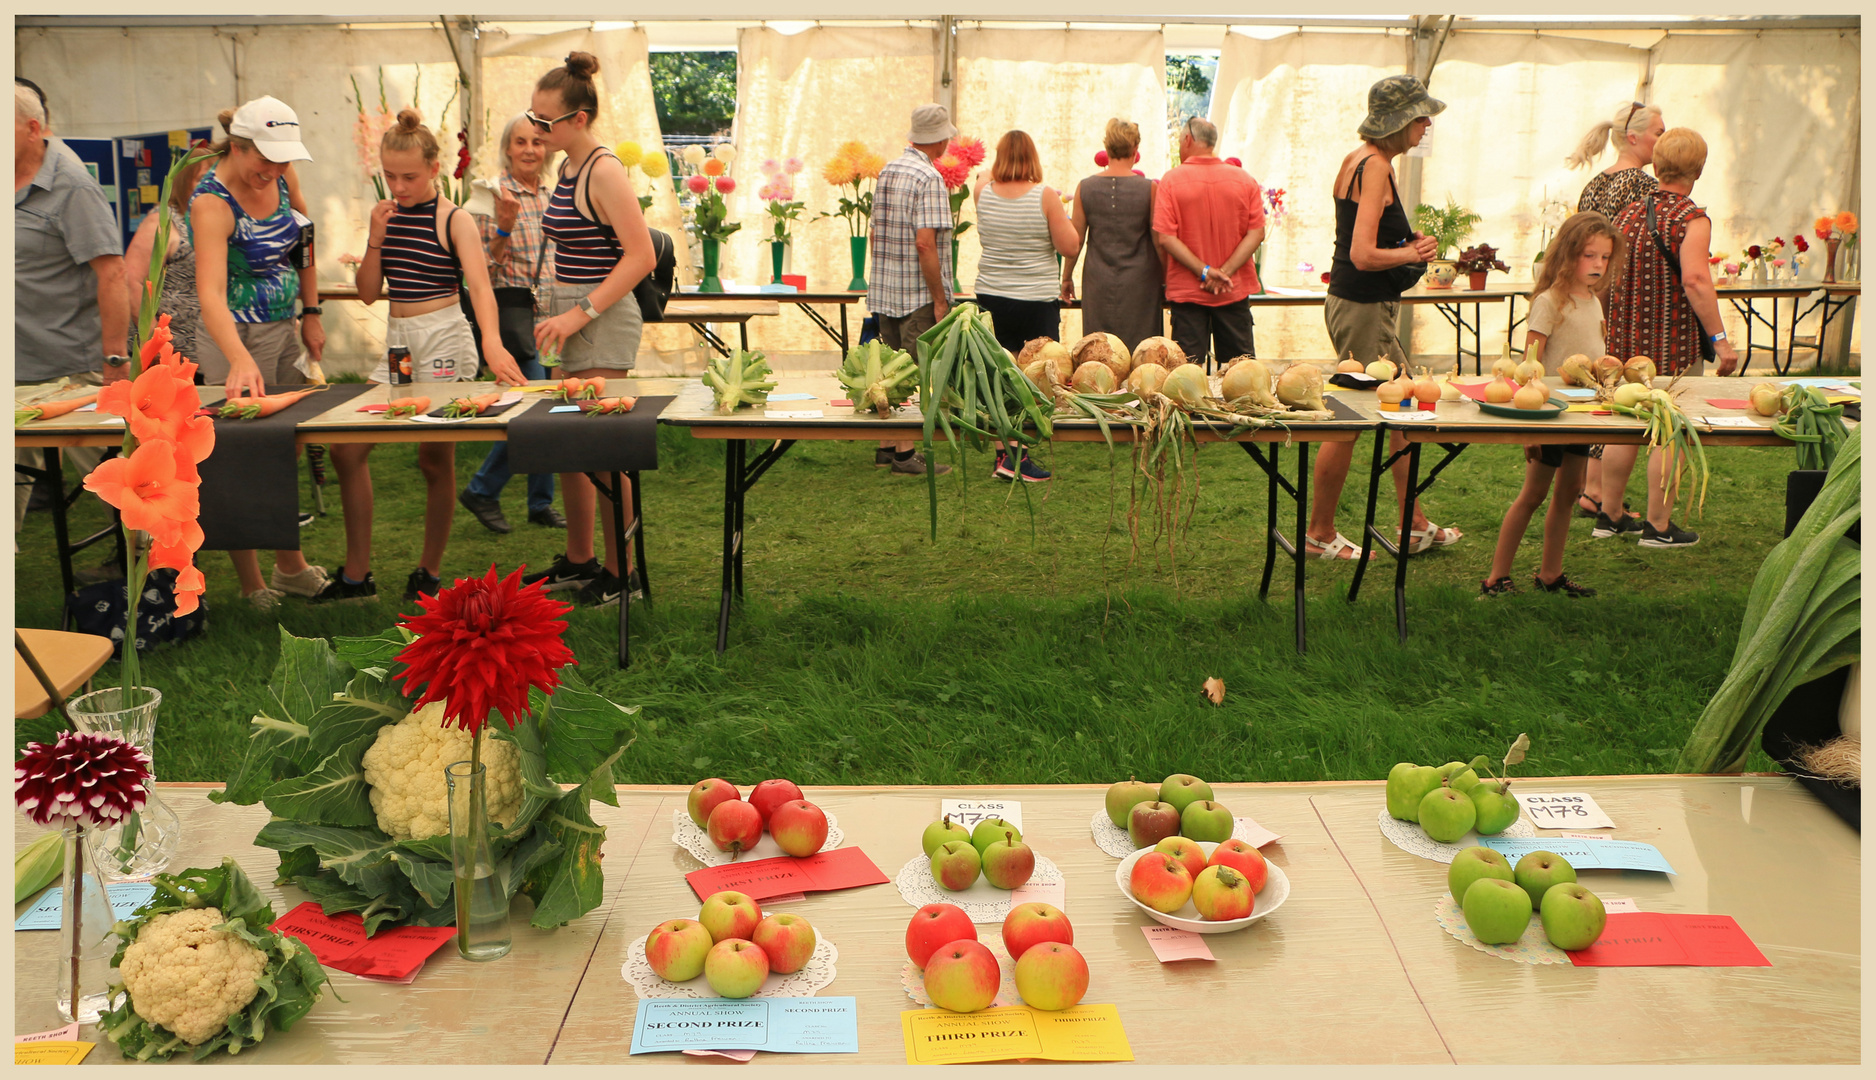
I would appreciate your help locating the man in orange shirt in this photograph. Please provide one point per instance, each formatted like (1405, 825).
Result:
(1208, 219)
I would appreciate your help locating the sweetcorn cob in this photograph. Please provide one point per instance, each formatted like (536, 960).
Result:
(741, 378)
(878, 377)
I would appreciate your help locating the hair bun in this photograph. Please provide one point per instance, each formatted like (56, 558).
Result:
(582, 65)
(408, 119)
(226, 119)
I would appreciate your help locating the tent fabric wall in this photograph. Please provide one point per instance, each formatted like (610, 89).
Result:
(801, 96)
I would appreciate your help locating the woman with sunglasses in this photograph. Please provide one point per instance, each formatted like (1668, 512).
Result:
(602, 249)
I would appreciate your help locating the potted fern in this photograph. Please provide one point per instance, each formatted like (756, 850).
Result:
(1447, 227)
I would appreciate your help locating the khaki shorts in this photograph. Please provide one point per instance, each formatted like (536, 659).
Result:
(1367, 331)
(442, 348)
(275, 347)
(610, 342)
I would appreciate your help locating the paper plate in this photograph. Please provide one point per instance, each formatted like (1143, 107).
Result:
(983, 902)
(686, 834)
(1414, 840)
(1117, 843)
(1555, 408)
(912, 978)
(649, 984)
(1532, 948)
(1275, 891)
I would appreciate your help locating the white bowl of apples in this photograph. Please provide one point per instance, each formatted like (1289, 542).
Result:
(1170, 881)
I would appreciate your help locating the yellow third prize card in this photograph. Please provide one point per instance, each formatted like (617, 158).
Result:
(57, 1052)
(1083, 1033)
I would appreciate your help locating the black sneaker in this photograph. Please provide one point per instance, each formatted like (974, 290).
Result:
(547, 516)
(1672, 537)
(1502, 587)
(487, 511)
(883, 456)
(604, 590)
(423, 582)
(1630, 525)
(1563, 585)
(565, 575)
(341, 590)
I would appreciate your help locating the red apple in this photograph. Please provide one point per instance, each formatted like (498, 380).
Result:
(789, 941)
(933, 927)
(963, 977)
(1188, 852)
(769, 794)
(735, 827)
(736, 968)
(798, 826)
(1222, 894)
(728, 915)
(1245, 859)
(706, 796)
(676, 949)
(1029, 925)
(1052, 976)
(1160, 882)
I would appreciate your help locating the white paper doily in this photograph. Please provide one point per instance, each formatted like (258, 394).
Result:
(983, 902)
(1532, 948)
(1414, 840)
(913, 979)
(686, 834)
(1117, 843)
(649, 984)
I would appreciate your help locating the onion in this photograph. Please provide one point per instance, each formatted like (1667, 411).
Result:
(1300, 386)
(1531, 395)
(1187, 385)
(1094, 378)
(1426, 391)
(1499, 391)
(1631, 394)
(1639, 369)
(1576, 371)
(1449, 390)
(1767, 399)
(1145, 379)
(1105, 349)
(1608, 369)
(1389, 395)
(1504, 368)
(1530, 369)
(1350, 366)
(1049, 349)
(1248, 378)
(1381, 369)
(1163, 351)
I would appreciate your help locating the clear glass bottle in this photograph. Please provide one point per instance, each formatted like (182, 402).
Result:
(144, 843)
(482, 931)
(84, 933)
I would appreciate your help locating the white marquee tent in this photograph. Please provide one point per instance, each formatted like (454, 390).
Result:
(1778, 99)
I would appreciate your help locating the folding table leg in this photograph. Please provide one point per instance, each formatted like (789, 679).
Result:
(1270, 521)
(625, 585)
(742, 331)
(1367, 521)
(732, 539)
(638, 538)
(1302, 525)
(61, 528)
(1405, 548)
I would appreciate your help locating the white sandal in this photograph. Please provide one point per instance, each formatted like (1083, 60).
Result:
(1432, 537)
(1334, 549)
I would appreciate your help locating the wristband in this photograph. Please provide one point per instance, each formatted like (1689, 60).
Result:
(1717, 338)
(1205, 274)
(504, 234)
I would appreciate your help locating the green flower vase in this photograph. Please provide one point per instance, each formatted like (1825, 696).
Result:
(857, 247)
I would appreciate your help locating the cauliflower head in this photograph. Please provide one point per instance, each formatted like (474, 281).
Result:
(404, 771)
(188, 977)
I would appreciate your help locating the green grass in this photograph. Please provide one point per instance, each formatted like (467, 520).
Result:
(1012, 652)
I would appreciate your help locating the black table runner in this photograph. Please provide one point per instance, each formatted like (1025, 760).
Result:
(250, 482)
(541, 440)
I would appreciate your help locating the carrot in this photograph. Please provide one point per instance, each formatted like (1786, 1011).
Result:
(574, 389)
(406, 406)
(254, 408)
(48, 410)
(596, 387)
(613, 406)
(471, 406)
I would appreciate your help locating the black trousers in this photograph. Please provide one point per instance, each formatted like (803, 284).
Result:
(1224, 330)
(1016, 322)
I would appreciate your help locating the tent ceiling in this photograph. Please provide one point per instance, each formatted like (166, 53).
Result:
(713, 27)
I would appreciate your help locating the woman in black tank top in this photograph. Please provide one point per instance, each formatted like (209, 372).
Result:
(1373, 240)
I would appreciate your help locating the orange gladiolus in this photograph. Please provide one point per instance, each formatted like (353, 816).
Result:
(190, 586)
(147, 401)
(177, 556)
(194, 437)
(145, 488)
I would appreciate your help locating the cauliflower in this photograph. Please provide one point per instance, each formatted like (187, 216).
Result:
(187, 976)
(404, 770)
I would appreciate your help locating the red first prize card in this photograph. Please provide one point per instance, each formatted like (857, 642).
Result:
(841, 868)
(1652, 938)
(339, 941)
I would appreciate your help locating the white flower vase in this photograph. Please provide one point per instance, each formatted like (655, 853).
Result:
(1758, 273)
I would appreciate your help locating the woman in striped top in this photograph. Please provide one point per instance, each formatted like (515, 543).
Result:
(1021, 227)
(602, 250)
(418, 252)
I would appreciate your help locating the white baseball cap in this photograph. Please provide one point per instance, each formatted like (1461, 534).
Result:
(273, 127)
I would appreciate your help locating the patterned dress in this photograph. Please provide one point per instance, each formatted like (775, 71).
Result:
(1649, 314)
(1608, 193)
(262, 281)
(179, 300)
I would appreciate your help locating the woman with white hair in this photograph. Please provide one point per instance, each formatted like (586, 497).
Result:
(519, 262)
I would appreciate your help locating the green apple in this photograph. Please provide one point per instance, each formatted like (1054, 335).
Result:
(1572, 915)
(1206, 822)
(1122, 796)
(1461, 774)
(1472, 864)
(1497, 807)
(1182, 790)
(1539, 870)
(1446, 814)
(956, 865)
(1407, 785)
(940, 833)
(991, 830)
(1497, 911)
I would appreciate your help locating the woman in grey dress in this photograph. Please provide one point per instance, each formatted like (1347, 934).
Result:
(1124, 276)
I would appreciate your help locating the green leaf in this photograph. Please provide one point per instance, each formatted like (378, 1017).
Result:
(360, 856)
(567, 887)
(433, 881)
(305, 678)
(376, 652)
(537, 791)
(583, 734)
(333, 794)
(364, 708)
(537, 850)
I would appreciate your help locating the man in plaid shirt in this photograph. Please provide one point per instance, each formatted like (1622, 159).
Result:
(910, 286)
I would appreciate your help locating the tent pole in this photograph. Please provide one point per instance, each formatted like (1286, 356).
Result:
(1423, 53)
(947, 91)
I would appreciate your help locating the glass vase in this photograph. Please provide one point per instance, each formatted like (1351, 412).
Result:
(481, 895)
(856, 250)
(84, 933)
(711, 253)
(143, 843)
(1830, 260)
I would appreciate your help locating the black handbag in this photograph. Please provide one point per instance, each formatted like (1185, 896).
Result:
(1402, 278)
(655, 288)
(99, 610)
(1707, 350)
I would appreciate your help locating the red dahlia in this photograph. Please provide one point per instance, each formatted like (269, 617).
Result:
(481, 643)
(91, 779)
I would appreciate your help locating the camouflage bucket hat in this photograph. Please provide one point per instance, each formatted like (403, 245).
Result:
(1395, 102)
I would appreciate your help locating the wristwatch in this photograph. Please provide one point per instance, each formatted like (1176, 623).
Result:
(586, 305)
(313, 309)
(116, 361)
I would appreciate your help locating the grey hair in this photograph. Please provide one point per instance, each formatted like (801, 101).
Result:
(508, 134)
(1203, 132)
(26, 105)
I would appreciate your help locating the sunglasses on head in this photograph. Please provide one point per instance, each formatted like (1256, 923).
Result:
(548, 125)
(1630, 117)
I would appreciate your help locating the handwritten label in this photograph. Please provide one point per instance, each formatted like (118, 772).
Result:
(339, 941)
(1252, 833)
(1733, 422)
(790, 1025)
(791, 397)
(1054, 893)
(1414, 414)
(564, 408)
(1171, 943)
(792, 414)
(970, 812)
(1563, 810)
(50, 1052)
(125, 896)
(1585, 854)
(1083, 1033)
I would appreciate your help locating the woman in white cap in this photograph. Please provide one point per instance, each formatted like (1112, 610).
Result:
(253, 260)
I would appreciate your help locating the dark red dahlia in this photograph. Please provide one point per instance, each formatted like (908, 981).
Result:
(84, 777)
(481, 643)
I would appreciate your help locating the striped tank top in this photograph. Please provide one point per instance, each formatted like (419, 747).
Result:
(1018, 261)
(415, 265)
(584, 250)
(262, 281)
